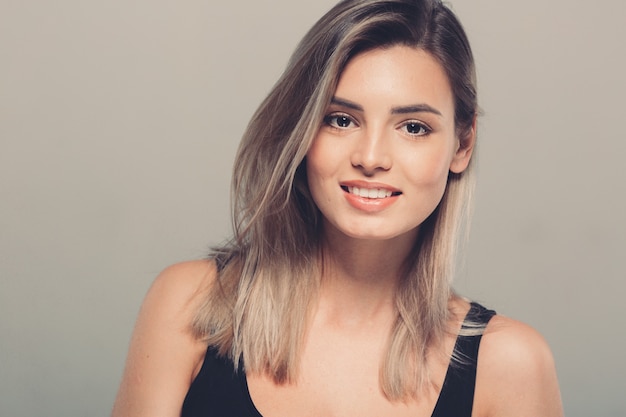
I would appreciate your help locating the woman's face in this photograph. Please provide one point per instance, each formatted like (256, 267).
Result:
(379, 165)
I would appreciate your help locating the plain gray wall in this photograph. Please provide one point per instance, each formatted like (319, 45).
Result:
(118, 125)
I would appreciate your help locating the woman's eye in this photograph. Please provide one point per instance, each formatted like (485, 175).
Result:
(338, 120)
(416, 129)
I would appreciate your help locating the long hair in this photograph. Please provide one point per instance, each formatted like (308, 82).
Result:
(270, 270)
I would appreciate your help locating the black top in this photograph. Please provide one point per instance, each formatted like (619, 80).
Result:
(219, 391)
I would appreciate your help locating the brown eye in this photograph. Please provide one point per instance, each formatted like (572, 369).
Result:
(416, 129)
(339, 121)
(342, 121)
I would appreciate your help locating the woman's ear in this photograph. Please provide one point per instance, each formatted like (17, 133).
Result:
(463, 154)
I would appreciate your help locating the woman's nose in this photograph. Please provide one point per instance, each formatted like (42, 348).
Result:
(371, 153)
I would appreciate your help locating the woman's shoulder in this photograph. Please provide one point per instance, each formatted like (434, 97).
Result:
(164, 353)
(178, 292)
(184, 281)
(516, 374)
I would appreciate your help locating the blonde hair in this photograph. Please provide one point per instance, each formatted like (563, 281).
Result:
(270, 271)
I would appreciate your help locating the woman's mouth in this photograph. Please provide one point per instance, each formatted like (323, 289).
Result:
(373, 193)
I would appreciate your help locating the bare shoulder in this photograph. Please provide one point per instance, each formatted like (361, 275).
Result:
(183, 282)
(175, 296)
(164, 354)
(516, 374)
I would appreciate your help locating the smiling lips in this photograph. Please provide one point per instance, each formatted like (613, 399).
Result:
(370, 192)
(370, 198)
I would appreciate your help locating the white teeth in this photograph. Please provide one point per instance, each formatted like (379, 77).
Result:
(370, 192)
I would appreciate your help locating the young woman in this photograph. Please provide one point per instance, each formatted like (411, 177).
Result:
(334, 297)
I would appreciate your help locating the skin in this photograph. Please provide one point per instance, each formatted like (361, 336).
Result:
(364, 140)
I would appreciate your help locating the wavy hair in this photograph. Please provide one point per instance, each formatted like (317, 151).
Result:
(270, 270)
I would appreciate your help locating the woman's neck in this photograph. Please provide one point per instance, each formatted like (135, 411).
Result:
(360, 277)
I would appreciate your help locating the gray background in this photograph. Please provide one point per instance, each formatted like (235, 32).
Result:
(118, 125)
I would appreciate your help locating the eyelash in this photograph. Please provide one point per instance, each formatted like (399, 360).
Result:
(332, 119)
(424, 128)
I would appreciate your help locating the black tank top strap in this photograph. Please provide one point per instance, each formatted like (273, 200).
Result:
(457, 394)
(218, 390)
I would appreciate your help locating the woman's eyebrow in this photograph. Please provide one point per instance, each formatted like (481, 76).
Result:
(346, 103)
(415, 108)
(412, 108)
